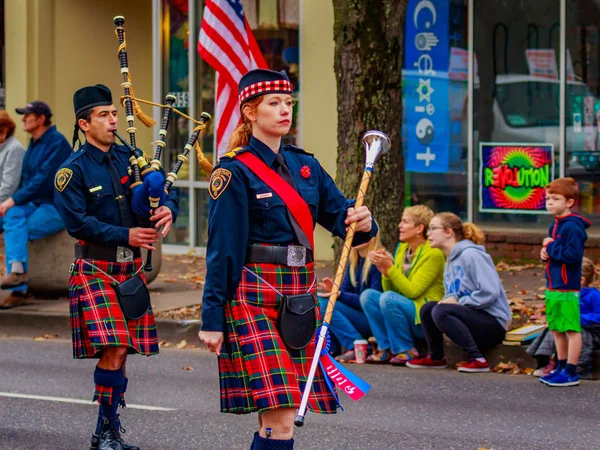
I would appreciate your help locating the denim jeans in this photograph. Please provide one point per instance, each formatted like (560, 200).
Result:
(392, 320)
(347, 324)
(27, 223)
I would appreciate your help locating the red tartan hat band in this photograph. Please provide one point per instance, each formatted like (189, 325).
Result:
(261, 81)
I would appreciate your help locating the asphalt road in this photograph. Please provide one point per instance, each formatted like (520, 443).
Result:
(405, 409)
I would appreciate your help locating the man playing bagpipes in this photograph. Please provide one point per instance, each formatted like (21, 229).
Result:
(110, 307)
(259, 311)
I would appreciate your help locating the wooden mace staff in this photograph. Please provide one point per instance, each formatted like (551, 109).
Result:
(376, 144)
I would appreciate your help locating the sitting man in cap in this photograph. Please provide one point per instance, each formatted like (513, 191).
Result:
(29, 214)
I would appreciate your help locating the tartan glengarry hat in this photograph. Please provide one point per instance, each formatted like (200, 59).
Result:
(91, 96)
(261, 81)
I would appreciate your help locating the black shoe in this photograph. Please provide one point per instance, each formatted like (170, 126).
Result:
(96, 444)
(111, 440)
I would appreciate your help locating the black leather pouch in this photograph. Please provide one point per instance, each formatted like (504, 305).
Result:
(134, 297)
(296, 321)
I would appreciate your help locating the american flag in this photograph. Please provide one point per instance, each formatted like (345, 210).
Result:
(227, 44)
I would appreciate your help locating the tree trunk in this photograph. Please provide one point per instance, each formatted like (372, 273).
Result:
(369, 54)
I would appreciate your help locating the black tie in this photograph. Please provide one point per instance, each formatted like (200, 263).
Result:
(284, 172)
(124, 208)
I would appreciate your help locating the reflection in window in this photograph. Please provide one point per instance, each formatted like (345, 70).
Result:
(175, 31)
(516, 98)
(583, 103)
(180, 231)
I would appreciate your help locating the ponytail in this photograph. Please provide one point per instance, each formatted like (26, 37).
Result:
(461, 230)
(473, 233)
(242, 134)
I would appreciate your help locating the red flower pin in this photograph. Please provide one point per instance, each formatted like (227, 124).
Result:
(305, 172)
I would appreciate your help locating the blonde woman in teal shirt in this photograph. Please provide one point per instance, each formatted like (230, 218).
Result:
(411, 277)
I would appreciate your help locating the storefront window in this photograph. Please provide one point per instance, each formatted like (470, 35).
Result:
(582, 158)
(435, 105)
(275, 27)
(175, 81)
(2, 59)
(516, 109)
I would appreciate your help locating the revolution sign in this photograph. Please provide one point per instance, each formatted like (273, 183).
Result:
(512, 177)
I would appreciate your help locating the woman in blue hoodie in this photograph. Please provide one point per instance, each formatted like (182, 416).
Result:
(474, 312)
(349, 322)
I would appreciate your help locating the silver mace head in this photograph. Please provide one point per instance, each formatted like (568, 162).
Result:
(376, 144)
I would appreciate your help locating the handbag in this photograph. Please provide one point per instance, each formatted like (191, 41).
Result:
(133, 296)
(297, 320)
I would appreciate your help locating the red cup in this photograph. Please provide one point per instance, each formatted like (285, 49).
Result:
(360, 351)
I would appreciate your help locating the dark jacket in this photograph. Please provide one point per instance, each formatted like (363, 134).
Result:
(563, 269)
(589, 305)
(42, 159)
(349, 295)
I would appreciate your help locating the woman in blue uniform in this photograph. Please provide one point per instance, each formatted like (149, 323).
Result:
(260, 258)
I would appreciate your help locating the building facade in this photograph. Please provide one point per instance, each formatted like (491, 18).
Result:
(500, 97)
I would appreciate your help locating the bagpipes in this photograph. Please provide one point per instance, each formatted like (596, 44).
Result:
(376, 144)
(149, 187)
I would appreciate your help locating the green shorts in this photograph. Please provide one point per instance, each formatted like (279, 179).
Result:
(562, 311)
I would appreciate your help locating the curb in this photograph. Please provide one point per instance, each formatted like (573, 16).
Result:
(31, 324)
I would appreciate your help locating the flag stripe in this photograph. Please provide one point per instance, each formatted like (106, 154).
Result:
(227, 44)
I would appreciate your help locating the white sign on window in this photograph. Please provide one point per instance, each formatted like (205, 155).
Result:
(183, 99)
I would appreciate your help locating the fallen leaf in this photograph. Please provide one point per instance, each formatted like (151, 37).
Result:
(524, 291)
(45, 337)
(182, 344)
(188, 368)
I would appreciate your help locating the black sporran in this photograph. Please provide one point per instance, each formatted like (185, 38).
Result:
(133, 296)
(296, 321)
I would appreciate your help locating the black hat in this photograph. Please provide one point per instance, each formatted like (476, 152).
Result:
(90, 96)
(36, 107)
(261, 81)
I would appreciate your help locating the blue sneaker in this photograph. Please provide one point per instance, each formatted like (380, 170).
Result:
(546, 379)
(563, 379)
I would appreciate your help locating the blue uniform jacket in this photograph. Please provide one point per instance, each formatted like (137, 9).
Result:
(350, 295)
(42, 159)
(85, 199)
(563, 269)
(245, 211)
(589, 306)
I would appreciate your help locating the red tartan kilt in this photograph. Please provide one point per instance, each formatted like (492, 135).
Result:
(256, 370)
(97, 320)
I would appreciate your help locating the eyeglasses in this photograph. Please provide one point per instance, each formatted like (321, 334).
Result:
(436, 228)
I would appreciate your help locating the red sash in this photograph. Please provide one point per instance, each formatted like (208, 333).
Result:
(296, 204)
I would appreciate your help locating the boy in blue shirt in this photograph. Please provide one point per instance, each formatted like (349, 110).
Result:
(563, 252)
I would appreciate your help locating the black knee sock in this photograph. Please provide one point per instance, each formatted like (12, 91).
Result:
(261, 443)
(109, 384)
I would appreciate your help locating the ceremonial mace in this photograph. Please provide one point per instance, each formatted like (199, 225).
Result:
(376, 143)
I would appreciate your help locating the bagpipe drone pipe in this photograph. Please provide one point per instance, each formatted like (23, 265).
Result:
(150, 186)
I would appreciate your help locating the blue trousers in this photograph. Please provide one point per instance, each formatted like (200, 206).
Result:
(347, 324)
(392, 320)
(27, 223)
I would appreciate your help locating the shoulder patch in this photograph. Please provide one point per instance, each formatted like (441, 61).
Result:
(233, 153)
(62, 178)
(219, 179)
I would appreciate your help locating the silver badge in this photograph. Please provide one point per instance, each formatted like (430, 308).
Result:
(296, 256)
(124, 254)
